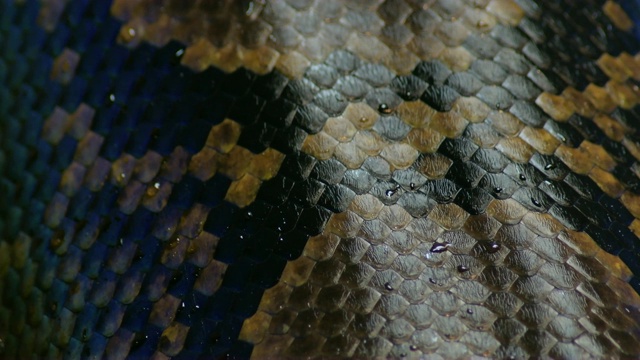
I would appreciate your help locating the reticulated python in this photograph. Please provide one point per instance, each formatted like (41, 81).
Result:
(319, 178)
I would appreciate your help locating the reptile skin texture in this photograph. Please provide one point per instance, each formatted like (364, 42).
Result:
(205, 179)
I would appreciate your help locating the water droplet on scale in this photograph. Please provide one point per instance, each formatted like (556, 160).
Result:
(522, 177)
(412, 186)
(497, 190)
(536, 202)
(392, 192)
(384, 108)
(439, 247)
(493, 247)
(462, 268)
(470, 311)
(549, 166)
(388, 286)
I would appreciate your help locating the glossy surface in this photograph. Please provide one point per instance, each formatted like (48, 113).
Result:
(378, 178)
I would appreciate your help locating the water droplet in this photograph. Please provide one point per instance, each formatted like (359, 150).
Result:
(384, 108)
(408, 94)
(462, 268)
(127, 34)
(432, 281)
(123, 175)
(112, 98)
(497, 190)
(388, 286)
(413, 347)
(439, 247)
(363, 119)
(536, 202)
(179, 53)
(522, 177)
(562, 138)
(153, 190)
(121, 241)
(493, 247)
(470, 311)
(412, 186)
(498, 106)
(249, 214)
(391, 192)
(549, 166)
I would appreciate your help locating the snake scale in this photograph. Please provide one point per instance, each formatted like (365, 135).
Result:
(439, 179)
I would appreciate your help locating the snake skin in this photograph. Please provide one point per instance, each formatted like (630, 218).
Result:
(445, 179)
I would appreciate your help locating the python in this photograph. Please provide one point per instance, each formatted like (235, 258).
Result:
(300, 179)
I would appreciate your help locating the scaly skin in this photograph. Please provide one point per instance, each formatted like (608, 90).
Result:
(313, 178)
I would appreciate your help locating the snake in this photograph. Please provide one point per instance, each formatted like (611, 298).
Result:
(267, 179)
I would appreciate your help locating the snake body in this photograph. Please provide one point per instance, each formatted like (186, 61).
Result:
(443, 179)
